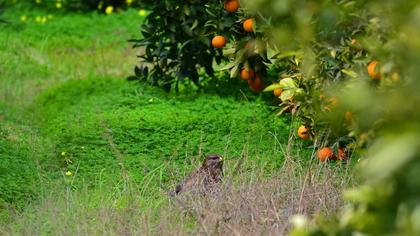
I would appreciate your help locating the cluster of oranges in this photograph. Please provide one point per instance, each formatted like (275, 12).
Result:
(326, 153)
(254, 80)
(256, 84)
(231, 6)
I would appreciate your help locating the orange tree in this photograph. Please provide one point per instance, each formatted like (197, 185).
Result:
(351, 67)
(182, 40)
(308, 53)
(317, 51)
(345, 68)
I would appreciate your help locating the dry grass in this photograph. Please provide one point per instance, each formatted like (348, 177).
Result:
(247, 203)
(262, 206)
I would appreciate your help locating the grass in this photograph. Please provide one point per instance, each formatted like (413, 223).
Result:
(66, 106)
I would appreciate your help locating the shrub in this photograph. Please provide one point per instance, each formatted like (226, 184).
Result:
(346, 69)
(357, 79)
(177, 42)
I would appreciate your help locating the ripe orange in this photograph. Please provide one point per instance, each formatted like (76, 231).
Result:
(231, 6)
(325, 154)
(246, 75)
(277, 92)
(248, 25)
(258, 82)
(341, 154)
(218, 41)
(251, 85)
(256, 85)
(373, 71)
(303, 132)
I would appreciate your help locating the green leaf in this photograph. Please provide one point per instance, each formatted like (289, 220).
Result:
(273, 87)
(234, 72)
(195, 24)
(285, 54)
(228, 66)
(287, 94)
(350, 73)
(288, 83)
(228, 52)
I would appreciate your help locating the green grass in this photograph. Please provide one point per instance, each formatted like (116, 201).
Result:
(149, 127)
(66, 106)
(35, 56)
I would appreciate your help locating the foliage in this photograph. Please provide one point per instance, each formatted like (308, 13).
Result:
(177, 43)
(322, 54)
(384, 108)
(75, 5)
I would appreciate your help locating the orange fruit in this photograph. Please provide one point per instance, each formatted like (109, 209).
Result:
(354, 42)
(277, 92)
(256, 85)
(341, 154)
(231, 6)
(246, 75)
(218, 41)
(251, 85)
(258, 82)
(373, 71)
(325, 154)
(303, 132)
(248, 25)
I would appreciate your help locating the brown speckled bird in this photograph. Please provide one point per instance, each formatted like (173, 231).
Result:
(205, 178)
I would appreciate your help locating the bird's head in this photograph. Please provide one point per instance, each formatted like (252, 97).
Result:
(213, 161)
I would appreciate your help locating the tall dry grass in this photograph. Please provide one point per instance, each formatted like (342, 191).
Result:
(248, 202)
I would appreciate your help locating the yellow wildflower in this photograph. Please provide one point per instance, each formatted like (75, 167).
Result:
(142, 12)
(23, 18)
(68, 173)
(109, 9)
(128, 2)
(38, 19)
(58, 5)
(63, 153)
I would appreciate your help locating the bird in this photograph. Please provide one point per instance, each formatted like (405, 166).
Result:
(205, 178)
